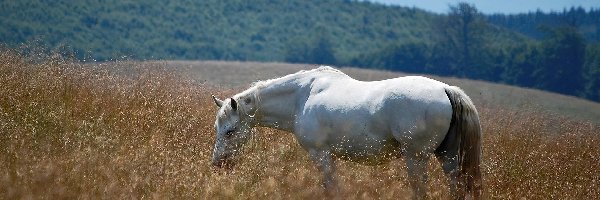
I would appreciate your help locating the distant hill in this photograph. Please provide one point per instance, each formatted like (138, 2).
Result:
(209, 29)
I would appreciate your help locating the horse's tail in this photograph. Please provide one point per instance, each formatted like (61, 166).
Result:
(465, 128)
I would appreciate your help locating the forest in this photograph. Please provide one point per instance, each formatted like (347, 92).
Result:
(558, 51)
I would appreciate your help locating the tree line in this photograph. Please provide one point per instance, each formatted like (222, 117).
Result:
(563, 60)
(556, 51)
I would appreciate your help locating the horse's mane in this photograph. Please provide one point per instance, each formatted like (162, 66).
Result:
(321, 69)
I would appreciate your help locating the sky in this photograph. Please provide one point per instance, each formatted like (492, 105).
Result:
(496, 6)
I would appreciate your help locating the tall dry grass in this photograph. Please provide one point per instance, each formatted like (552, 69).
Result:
(124, 129)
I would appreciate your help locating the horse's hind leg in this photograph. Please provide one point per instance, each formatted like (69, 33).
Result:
(417, 175)
(449, 163)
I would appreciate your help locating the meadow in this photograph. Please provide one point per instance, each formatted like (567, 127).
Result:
(129, 129)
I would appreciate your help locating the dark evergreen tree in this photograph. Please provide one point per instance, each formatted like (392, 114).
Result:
(407, 57)
(521, 62)
(322, 52)
(563, 57)
(315, 49)
(592, 72)
(460, 40)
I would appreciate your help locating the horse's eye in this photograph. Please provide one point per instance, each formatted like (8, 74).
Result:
(229, 133)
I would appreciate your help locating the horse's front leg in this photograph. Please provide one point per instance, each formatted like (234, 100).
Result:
(325, 164)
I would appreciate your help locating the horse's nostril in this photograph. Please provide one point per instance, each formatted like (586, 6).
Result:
(217, 163)
(221, 162)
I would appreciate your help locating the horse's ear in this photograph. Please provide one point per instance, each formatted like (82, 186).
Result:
(217, 101)
(233, 104)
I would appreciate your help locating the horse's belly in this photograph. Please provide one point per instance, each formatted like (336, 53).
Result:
(369, 152)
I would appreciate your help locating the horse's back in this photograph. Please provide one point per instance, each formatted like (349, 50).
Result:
(409, 91)
(407, 109)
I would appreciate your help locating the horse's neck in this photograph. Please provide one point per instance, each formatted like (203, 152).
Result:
(278, 103)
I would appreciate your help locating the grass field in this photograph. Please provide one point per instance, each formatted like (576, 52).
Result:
(144, 130)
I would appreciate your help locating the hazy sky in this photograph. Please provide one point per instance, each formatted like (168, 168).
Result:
(496, 6)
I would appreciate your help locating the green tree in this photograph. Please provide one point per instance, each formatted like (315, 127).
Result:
(592, 72)
(297, 51)
(315, 50)
(322, 52)
(521, 62)
(408, 57)
(460, 35)
(561, 69)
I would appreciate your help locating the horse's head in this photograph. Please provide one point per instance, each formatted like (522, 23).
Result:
(233, 131)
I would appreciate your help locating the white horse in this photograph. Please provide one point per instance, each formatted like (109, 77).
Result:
(334, 116)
